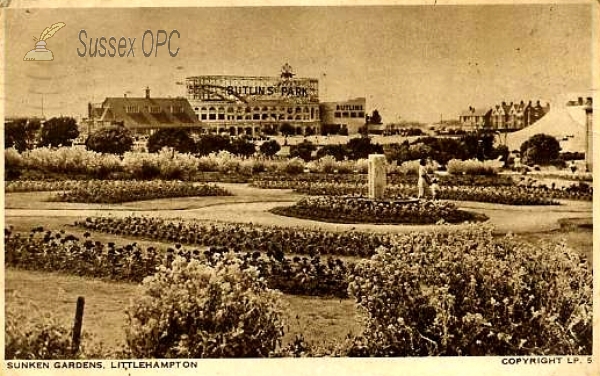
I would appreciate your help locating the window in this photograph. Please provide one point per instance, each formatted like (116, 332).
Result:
(345, 114)
(353, 114)
(221, 116)
(256, 117)
(338, 114)
(361, 114)
(203, 117)
(212, 117)
(131, 109)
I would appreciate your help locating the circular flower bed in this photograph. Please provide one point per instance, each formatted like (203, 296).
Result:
(352, 209)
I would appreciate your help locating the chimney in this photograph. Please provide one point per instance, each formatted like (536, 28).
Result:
(580, 101)
(503, 104)
(124, 95)
(147, 92)
(90, 112)
(589, 101)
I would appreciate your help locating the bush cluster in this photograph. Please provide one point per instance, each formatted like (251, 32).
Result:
(197, 310)
(473, 167)
(39, 336)
(467, 293)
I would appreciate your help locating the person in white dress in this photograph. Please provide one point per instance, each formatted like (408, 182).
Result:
(423, 178)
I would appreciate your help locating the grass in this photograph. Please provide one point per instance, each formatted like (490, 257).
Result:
(320, 320)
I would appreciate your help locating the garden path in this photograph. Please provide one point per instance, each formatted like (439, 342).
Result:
(252, 204)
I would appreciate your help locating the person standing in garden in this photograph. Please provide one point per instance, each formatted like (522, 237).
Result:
(423, 178)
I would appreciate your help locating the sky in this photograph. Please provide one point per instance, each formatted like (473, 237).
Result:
(414, 63)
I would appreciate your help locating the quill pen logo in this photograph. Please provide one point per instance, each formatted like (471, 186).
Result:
(40, 52)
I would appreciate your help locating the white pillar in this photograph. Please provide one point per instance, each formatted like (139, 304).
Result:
(377, 178)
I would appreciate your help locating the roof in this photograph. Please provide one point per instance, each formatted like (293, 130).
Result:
(476, 112)
(559, 122)
(114, 109)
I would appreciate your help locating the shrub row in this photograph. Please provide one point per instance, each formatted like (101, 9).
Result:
(169, 164)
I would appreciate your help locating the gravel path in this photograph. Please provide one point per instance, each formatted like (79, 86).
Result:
(252, 204)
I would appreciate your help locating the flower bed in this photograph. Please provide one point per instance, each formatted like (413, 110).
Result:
(351, 209)
(112, 192)
(496, 195)
(60, 252)
(242, 237)
(267, 180)
(41, 186)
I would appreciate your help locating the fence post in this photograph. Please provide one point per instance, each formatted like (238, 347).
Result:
(77, 325)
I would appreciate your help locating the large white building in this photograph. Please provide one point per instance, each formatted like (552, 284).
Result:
(253, 104)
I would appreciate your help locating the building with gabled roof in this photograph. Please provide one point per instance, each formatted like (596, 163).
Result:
(142, 115)
(475, 118)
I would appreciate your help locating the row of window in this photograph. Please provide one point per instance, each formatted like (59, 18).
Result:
(289, 110)
(153, 109)
(253, 117)
(352, 114)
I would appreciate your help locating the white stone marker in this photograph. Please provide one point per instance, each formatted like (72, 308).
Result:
(377, 178)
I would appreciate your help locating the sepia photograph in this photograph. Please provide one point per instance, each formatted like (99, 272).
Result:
(305, 187)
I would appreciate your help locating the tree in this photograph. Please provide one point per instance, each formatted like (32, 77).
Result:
(339, 152)
(375, 118)
(176, 138)
(270, 148)
(59, 131)
(21, 133)
(540, 149)
(477, 146)
(113, 139)
(287, 129)
(303, 150)
(241, 146)
(361, 147)
(211, 143)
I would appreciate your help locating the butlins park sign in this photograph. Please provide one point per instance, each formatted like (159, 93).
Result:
(254, 89)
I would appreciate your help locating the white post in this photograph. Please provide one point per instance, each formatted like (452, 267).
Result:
(377, 178)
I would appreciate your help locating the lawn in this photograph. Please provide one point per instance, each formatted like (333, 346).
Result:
(320, 320)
